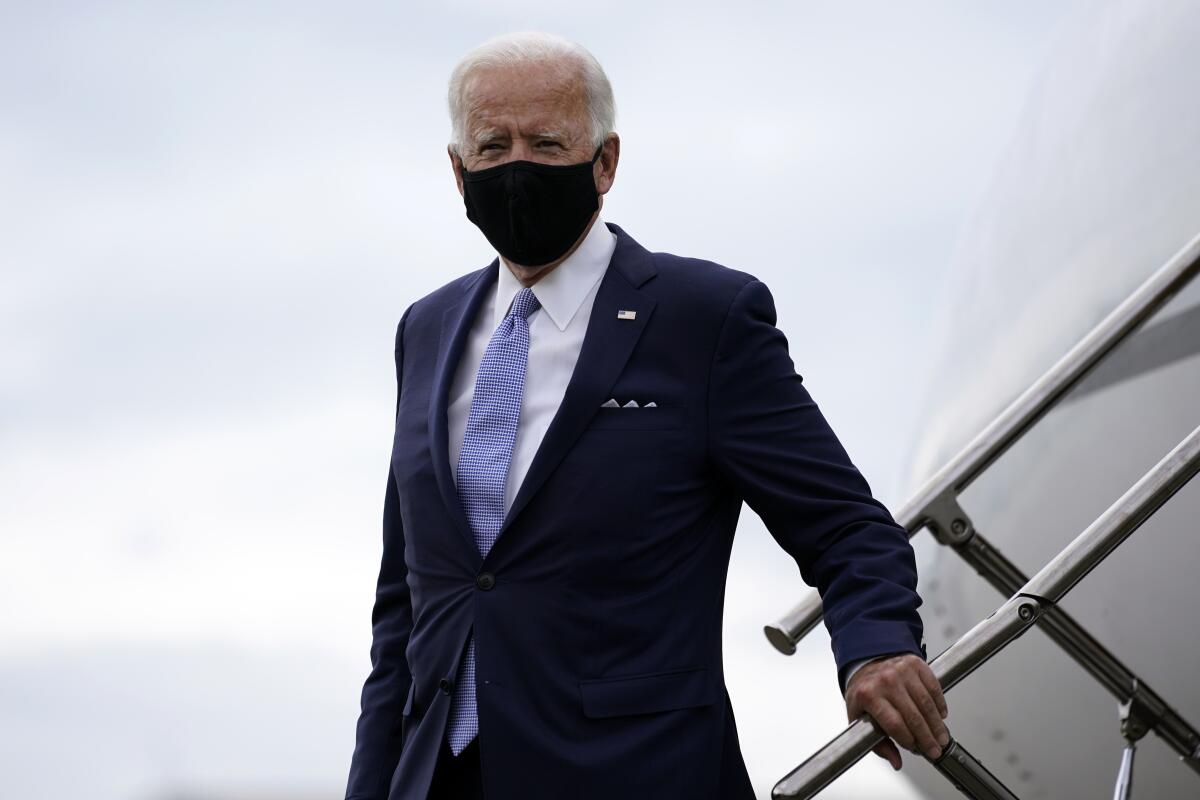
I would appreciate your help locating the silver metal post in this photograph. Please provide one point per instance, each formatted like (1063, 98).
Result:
(1136, 718)
(1124, 790)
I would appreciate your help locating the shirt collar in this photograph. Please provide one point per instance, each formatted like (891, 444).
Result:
(563, 290)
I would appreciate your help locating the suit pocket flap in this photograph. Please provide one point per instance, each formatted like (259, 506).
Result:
(643, 694)
(645, 419)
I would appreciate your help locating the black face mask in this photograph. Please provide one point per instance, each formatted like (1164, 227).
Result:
(531, 213)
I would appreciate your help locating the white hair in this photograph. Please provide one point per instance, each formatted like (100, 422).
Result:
(530, 47)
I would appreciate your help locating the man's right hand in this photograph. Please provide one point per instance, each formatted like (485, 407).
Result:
(905, 699)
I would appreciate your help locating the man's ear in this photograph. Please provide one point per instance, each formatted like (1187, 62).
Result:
(606, 165)
(456, 165)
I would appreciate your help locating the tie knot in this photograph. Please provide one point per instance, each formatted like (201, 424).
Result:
(525, 303)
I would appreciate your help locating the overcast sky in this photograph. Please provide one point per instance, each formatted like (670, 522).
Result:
(214, 215)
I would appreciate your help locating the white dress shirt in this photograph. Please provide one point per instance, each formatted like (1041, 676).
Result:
(556, 332)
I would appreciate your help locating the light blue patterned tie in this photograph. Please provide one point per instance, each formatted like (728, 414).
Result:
(483, 471)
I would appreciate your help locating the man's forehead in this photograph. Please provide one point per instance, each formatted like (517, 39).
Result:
(542, 89)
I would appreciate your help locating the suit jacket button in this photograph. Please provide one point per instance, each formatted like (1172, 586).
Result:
(444, 685)
(485, 581)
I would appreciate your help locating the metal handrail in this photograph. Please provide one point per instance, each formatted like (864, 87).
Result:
(1040, 595)
(969, 775)
(935, 505)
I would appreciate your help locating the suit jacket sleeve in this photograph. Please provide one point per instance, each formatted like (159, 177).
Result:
(768, 438)
(378, 737)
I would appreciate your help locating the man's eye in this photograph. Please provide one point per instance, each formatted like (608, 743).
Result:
(489, 147)
(549, 141)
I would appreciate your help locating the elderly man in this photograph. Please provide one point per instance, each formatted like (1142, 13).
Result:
(577, 426)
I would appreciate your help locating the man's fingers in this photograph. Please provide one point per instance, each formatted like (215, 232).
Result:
(935, 689)
(928, 708)
(888, 751)
(916, 724)
(892, 722)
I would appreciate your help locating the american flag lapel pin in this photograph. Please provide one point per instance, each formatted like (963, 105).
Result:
(623, 314)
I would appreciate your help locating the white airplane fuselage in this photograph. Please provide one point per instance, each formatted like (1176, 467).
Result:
(1100, 187)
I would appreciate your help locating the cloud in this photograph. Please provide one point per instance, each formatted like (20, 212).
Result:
(215, 215)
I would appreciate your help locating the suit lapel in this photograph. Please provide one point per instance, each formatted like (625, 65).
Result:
(456, 324)
(606, 348)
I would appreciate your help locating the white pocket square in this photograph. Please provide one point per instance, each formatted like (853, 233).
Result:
(612, 403)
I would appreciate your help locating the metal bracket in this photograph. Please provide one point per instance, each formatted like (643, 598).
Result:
(1139, 714)
(947, 520)
(969, 775)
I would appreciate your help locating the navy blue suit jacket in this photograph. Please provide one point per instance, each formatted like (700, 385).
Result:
(598, 634)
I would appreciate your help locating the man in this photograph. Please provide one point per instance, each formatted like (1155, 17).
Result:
(577, 426)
